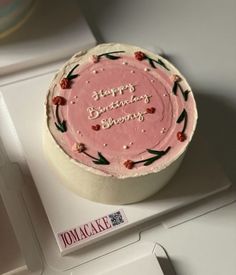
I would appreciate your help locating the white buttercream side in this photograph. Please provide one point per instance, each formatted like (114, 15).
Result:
(109, 190)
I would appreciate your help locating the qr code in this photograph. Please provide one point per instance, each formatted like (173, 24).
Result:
(116, 218)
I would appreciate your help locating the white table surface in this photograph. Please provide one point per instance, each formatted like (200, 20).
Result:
(199, 37)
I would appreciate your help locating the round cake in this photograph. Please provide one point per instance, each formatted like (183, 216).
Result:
(118, 121)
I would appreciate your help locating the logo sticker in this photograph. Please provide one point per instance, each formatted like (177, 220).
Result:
(91, 230)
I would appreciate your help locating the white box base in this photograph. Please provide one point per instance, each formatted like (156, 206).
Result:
(54, 31)
(22, 113)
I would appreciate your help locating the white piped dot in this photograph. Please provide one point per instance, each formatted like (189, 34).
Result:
(146, 69)
(163, 130)
(152, 80)
(164, 94)
(95, 72)
(132, 71)
(105, 145)
(72, 102)
(125, 63)
(143, 130)
(75, 96)
(87, 81)
(125, 147)
(131, 143)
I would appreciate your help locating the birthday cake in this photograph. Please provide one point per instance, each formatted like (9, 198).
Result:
(118, 121)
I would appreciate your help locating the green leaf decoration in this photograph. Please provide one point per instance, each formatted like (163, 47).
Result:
(182, 116)
(159, 153)
(175, 87)
(71, 71)
(167, 150)
(61, 126)
(185, 94)
(160, 62)
(151, 62)
(102, 160)
(150, 161)
(72, 76)
(97, 162)
(102, 157)
(155, 152)
(112, 57)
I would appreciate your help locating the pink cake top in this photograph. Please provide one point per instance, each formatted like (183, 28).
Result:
(119, 110)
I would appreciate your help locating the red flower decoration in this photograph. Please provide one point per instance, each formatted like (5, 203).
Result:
(65, 83)
(151, 110)
(96, 127)
(181, 136)
(175, 78)
(139, 55)
(81, 147)
(129, 164)
(59, 100)
(95, 58)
